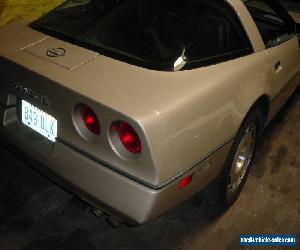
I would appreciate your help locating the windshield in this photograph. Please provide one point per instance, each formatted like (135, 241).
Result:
(151, 33)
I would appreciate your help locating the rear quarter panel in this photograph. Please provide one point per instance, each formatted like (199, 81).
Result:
(212, 107)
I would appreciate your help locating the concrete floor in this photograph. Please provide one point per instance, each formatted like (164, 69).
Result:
(37, 214)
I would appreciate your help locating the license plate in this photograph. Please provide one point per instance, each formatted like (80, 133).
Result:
(39, 121)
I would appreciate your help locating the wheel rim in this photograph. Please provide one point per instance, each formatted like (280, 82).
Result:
(242, 158)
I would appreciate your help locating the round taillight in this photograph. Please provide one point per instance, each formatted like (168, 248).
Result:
(90, 119)
(129, 138)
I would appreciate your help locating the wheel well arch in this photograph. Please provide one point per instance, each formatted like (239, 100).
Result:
(263, 104)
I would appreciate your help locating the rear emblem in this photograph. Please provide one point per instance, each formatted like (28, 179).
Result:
(31, 93)
(56, 52)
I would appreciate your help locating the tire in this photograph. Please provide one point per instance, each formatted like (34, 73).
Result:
(240, 157)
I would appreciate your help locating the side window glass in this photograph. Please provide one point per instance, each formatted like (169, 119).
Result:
(213, 32)
(271, 25)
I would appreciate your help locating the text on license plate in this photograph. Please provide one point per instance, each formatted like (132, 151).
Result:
(39, 121)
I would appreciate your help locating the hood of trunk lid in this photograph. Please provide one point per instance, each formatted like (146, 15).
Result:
(64, 54)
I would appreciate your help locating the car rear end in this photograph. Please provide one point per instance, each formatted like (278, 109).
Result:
(50, 112)
(88, 137)
(115, 131)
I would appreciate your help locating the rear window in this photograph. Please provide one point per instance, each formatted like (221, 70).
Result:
(151, 33)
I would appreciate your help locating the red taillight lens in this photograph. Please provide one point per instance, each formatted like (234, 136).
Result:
(129, 138)
(90, 119)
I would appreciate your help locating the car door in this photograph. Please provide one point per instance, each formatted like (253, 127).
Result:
(278, 34)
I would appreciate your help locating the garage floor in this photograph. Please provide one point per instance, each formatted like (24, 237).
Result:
(37, 214)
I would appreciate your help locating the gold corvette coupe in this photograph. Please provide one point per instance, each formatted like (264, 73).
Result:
(136, 105)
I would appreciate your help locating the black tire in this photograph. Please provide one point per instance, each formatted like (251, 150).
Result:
(229, 192)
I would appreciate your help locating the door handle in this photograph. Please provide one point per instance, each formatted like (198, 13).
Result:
(277, 67)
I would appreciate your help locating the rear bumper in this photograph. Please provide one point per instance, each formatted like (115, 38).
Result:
(100, 186)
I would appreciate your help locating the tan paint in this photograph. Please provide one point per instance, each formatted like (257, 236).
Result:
(181, 116)
(71, 60)
(295, 16)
